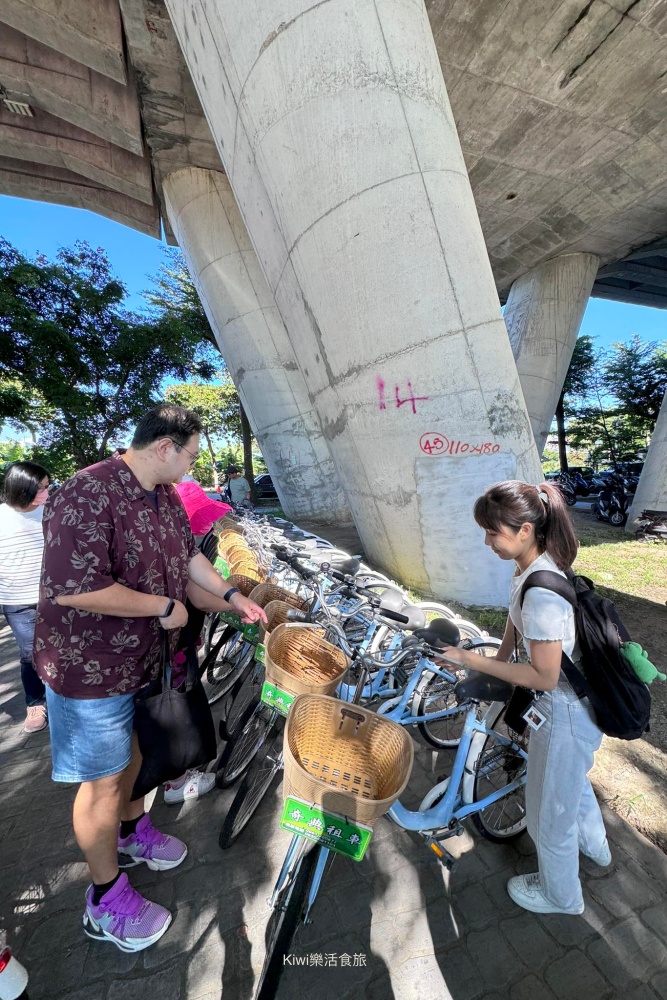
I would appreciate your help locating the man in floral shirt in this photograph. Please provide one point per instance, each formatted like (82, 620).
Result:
(119, 562)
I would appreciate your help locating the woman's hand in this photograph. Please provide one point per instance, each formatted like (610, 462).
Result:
(457, 654)
(247, 610)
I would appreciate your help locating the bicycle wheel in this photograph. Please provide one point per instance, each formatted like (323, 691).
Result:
(245, 691)
(224, 664)
(433, 609)
(468, 630)
(446, 732)
(261, 773)
(284, 922)
(238, 754)
(495, 767)
(437, 695)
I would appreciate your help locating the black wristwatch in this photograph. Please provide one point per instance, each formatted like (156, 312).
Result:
(168, 610)
(230, 593)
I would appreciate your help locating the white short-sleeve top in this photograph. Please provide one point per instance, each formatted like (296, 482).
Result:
(545, 616)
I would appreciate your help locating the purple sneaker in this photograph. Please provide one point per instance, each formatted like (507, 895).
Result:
(158, 850)
(125, 918)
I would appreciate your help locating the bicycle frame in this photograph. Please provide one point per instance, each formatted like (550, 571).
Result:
(451, 809)
(447, 813)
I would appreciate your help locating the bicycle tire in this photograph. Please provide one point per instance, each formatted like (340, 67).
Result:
(223, 672)
(246, 690)
(256, 783)
(239, 753)
(493, 769)
(433, 609)
(437, 695)
(283, 924)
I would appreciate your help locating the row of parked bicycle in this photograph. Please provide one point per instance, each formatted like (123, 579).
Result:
(611, 494)
(326, 697)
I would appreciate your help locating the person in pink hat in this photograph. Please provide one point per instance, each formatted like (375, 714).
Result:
(201, 510)
(202, 513)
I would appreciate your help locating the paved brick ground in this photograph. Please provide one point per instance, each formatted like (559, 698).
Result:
(422, 933)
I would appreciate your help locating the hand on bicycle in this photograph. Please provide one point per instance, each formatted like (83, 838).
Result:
(247, 610)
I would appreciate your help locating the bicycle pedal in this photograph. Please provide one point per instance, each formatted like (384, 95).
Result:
(444, 857)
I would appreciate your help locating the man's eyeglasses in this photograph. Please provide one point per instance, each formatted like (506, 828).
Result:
(193, 458)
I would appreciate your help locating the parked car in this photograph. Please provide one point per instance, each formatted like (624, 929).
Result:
(264, 488)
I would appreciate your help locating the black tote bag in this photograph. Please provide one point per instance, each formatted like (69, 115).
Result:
(174, 726)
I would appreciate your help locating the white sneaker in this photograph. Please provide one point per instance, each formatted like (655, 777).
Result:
(602, 858)
(196, 784)
(526, 892)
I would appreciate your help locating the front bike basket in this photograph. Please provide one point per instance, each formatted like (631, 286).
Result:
(299, 660)
(346, 759)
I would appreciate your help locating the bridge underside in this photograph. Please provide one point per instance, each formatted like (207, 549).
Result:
(559, 106)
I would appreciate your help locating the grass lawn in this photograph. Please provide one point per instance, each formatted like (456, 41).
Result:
(613, 559)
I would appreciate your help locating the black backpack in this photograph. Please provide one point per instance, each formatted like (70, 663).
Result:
(621, 702)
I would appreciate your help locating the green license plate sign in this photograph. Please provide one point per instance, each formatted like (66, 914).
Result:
(273, 696)
(328, 829)
(249, 631)
(222, 567)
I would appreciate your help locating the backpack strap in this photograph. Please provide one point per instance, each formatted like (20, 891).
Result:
(548, 580)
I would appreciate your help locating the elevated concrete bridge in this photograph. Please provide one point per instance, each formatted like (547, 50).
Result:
(340, 175)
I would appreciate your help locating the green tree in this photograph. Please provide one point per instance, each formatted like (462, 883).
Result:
(76, 366)
(218, 407)
(576, 386)
(635, 373)
(174, 294)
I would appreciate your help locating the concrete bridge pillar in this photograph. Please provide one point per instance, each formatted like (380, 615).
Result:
(652, 489)
(253, 341)
(335, 129)
(543, 315)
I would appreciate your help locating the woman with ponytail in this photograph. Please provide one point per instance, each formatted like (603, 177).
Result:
(531, 525)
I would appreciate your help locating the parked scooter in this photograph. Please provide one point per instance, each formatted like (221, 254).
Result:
(652, 526)
(612, 503)
(574, 486)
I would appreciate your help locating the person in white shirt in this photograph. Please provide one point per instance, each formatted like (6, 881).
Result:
(531, 525)
(26, 490)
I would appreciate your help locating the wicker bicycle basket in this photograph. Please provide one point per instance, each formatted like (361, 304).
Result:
(276, 614)
(246, 584)
(233, 547)
(246, 566)
(226, 537)
(267, 592)
(300, 661)
(344, 758)
(228, 523)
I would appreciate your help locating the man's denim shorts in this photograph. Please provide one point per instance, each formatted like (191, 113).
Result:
(90, 737)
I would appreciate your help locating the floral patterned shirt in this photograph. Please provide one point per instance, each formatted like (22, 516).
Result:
(101, 529)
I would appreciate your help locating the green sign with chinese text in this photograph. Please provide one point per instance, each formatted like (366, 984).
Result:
(332, 831)
(273, 696)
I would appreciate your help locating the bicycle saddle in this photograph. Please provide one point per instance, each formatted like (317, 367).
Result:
(482, 687)
(349, 567)
(440, 632)
(393, 599)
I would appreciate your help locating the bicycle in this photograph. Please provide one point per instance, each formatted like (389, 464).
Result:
(424, 700)
(486, 785)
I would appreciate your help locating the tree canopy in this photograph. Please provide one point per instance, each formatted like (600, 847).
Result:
(611, 399)
(76, 366)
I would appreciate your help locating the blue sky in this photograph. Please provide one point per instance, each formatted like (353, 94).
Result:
(36, 227)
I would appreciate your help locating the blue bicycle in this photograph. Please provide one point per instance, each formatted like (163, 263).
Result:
(487, 785)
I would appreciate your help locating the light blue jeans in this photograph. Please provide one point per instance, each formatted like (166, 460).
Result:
(563, 814)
